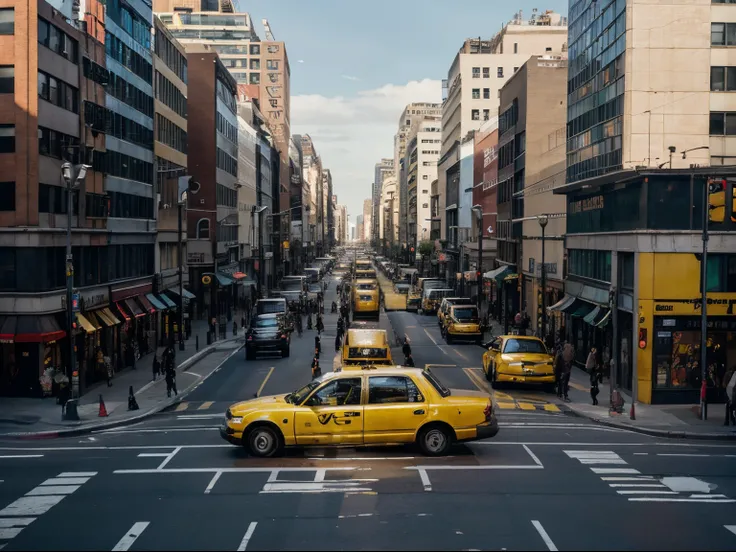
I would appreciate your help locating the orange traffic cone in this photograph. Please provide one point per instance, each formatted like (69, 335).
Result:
(103, 410)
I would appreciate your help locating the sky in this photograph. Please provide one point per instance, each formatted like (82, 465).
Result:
(355, 65)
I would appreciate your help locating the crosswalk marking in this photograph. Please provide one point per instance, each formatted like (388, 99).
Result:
(182, 406)
(205, 405)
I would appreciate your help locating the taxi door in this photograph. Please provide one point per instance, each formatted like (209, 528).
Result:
(394, 411)
(332, 415)
(489, 357)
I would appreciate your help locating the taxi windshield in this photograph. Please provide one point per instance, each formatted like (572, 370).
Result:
(366, 286)
(367, 352)
(298, 397)
(469, 314)
(524, 346)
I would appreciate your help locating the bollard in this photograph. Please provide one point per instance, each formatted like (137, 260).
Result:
(70, 412)
(196, 343)
(209, 338)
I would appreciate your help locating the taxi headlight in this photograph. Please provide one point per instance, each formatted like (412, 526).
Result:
(236, 420)
(516, 364)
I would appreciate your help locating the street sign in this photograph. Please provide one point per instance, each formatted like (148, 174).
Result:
(490, 229)
(206, 280)
(268, 255)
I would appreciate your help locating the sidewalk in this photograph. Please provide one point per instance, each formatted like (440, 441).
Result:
(32, 418)
(675, 421)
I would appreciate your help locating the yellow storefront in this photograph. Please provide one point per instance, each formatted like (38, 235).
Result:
(669, 323)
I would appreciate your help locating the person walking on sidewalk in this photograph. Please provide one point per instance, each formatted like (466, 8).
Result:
(568, 355)
(559, 368)
(156, 366)
(592, 367)
(320, 324)
(170, 371)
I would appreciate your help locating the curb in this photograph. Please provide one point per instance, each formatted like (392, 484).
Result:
(76, 431)
(652, 432)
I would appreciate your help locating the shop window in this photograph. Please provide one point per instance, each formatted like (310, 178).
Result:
(626, 276)
(203, 229)
(721, 273)
(7, 79)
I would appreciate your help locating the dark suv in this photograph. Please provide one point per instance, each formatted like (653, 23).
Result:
(267, 332)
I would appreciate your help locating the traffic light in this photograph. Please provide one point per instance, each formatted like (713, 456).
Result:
(716, 200)
(477, 275)
(642, 338)
(412, 250)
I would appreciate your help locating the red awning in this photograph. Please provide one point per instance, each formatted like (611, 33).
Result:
(240, 275)
(122, 311)
(30, 329)
(134, 308)
(146, 304)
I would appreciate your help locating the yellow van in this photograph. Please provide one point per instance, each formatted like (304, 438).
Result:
(365, 299)
(365, 347)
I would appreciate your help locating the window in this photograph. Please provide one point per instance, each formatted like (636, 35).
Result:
(53, 199)
(170, 134)
(130, 131)
(255, 49)
(626, 276)
(203, 229)
(499, 72)
(425, 205)
(121, 89)
(120, 52)
(124, 166)
(97, 205)
(486, 72)
(425, 177)
(723, 34)
(7, 21)
(722, 124)
(58, 92)
(339, 392)
(130, 206)
(227, 162)
(169, 94)
(476, 72)
(516, 69)
(590, 263)
(486, 114)
(255, 63)
(7, 138)
(392, 389)
(721, 273)
(475, 114)
(486, 93)
(548, 49)
(476, 93)
(272, 64)
(516, 47)
(723, 79)
(57, 41)
(171, 56)
(255, 78)
(7, 196)
(226, 196)
(7, 79)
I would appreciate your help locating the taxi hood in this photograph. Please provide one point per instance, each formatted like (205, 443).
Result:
(270, 402)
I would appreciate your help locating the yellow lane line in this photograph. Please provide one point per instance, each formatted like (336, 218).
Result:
(525, 405)
(477, 381)
(552, 408)
(205, 405)
(182, 406)
(506, 405)
(579, 387)
(260, 389)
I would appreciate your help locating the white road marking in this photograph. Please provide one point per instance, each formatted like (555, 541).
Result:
(731, 528)
(212, 482)
(429, 335)
(545, 537)
(131, 536)
(687, 484)
(66, 481)
(265, 380)
(199, 416)
(337, 486)
(162, 430)
(10, 533)
(227, 470)
(31, 505)
(194, 373)
(639, 478)
(612, 471)
(708, 501)
(53, 490)
(697, 455)
(534, 456)
(6, 523)
(152, 454)
(169, 458)
(368, 458)
(648, 492)
(246, 538)
(426, 483)
(11, 456)
(473, 468)
(637, 485)
(77, 474)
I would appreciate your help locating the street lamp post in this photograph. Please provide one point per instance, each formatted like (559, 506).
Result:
(185, 186)
(479, 273)
(543, 220)
(73, 177)
(259, 210)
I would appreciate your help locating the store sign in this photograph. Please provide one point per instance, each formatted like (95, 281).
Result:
(536, 268)
(88, 300)
(594, 203)
(716, 306)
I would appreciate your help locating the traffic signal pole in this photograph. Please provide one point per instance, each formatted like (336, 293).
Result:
(703, 301)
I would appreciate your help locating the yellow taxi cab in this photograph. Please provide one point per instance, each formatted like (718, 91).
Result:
(463, 323)
(447, 302)
(366, 274)
(365, 347)
(363, 264)
(367, 408)
(365, 299)
(518, 359)
(414, 300)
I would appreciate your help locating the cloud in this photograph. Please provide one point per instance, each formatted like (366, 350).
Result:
(300, 61)
(350, 78)
(352, 133)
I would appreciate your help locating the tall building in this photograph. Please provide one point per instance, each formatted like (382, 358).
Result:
(343, 233)
(248, 237)
(170, 150)
(382, 169)
(296, 253)
(478, 71)
(213, 161)
(634, 225)
(531, 133)
(312, 183)
(328, 223)
(260, 68)
(368, 223)
(359, 234)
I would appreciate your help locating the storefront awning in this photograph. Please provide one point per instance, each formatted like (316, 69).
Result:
(224, 279)
(188, 295)
(497, 274)
(133, 307)
(86, 324)
(511, 277)
(7, 329)
(102, 315)
(166, 301)
(602, 322)
(599, 315)
(33, 328)
(92, 319)
(111, 316)
(146, 304)
(580, 308)
(562, 304)
(591, 316)
(122, 311)
(240, 276)
(158, 305)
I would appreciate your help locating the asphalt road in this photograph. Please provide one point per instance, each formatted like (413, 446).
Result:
(548, 481)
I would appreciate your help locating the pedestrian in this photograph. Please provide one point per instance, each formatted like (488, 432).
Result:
(729, 382)
(170, 373)
(320, 324)
(242, 321)
(156, 366)
(409, 361)
(568, 355)
(316, 370)
(559, 365)
(406, 348)
(235, 328)
(317, 345)
(338, 341)
(595, 378)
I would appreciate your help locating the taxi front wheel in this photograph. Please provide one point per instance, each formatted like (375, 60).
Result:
(435, 440)
(263, 441)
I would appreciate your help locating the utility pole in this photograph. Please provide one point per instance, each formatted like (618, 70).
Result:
(703, 302)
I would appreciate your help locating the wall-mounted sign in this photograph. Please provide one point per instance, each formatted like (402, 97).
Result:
(594, 203)
(206, 280)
